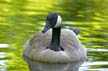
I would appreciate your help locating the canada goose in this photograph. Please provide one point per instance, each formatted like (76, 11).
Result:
(54, 45)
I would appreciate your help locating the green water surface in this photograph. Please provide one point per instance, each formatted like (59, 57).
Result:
(20, 19)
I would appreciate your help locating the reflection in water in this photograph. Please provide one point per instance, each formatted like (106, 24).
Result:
(39, 66)
(4, 45)
(3, 59)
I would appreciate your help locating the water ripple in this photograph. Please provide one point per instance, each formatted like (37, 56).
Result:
(97, 50)
(3, 45)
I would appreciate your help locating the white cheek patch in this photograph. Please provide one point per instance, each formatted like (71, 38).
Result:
(59, 21)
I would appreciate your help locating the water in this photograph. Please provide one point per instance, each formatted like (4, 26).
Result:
(39, 66)
(19, 20)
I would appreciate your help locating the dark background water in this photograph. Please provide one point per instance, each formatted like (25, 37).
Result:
(20, 19)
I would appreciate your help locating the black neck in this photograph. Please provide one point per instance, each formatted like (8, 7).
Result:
(56, 36)
(55, 42)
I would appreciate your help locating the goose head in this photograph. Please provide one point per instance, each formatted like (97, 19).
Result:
(53, 20)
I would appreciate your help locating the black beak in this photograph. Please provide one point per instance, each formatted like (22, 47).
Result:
(47, 27)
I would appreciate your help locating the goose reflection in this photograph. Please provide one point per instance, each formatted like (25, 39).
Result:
(39, 66)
